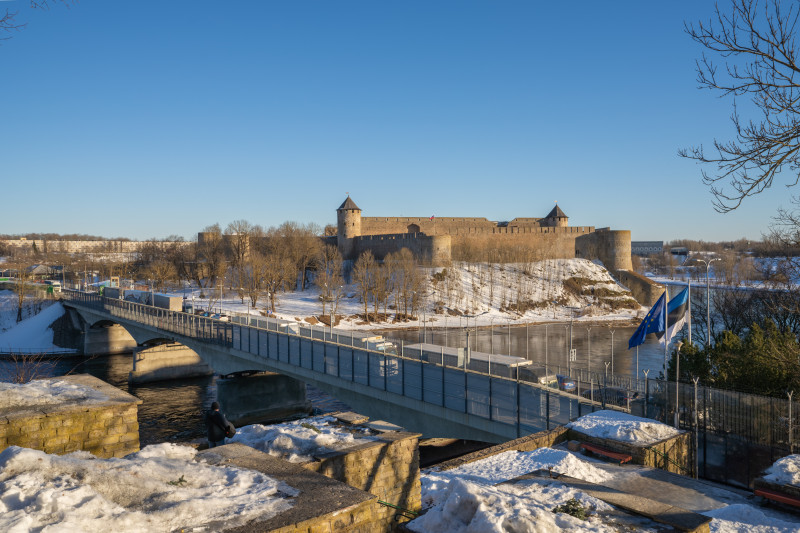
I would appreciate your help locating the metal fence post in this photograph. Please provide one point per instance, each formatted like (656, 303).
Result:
(519, 419)
(547, 408)
(791, 429)
(696, 431)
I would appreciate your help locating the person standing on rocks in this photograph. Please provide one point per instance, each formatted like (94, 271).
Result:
(217, 426)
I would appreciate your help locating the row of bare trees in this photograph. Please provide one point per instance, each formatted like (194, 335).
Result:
(254, 261)
(397, 277)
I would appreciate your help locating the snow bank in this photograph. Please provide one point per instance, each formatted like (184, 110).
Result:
(33, 335)
(623, 427)
(300, 440)
(160, 488)
(468, 507)
(46, 392)
(743, 518)
(785, 471)
(511, 464)
(467, 498)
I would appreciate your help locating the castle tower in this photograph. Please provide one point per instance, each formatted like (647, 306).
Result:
(348, 223)
(555, 219)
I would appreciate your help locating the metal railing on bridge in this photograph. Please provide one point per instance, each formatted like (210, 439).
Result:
(438, 376)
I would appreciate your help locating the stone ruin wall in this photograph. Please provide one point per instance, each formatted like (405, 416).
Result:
(106, 429)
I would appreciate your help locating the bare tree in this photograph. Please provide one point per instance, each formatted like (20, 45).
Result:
(22, 283)
(302, 245)
(757, 43)
(254, 272)
(329, 275)
(364, 278)
(208, 263)
(381, 288)
(160, 271)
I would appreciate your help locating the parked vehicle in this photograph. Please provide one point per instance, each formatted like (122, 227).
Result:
(566, 383)
(538, 374)
(612, 395)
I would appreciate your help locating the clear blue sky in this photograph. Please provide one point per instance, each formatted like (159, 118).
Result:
(145, 119)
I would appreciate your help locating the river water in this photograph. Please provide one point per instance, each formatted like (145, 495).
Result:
(171, 411)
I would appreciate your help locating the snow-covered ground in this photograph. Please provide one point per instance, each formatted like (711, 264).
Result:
(298, 441)
(8, 308)
(160, 489)
(46, 392)
(477, 291)
(623, 427)
(33, 335)
(785, 471)
(472, 498)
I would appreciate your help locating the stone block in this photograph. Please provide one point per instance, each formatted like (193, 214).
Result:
(323, 526)
(110, 439)
(130, 437)
(117, 429)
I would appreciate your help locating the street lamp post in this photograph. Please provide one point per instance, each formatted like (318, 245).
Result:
(589, 350)
(508, 348)
(491, 336)
(708, 300)
(612, 352)
(677, 381)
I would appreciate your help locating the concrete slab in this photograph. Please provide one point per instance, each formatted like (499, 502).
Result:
(382, 426)
(349, 417)
(319, 495)
(666, 487)
(670, 515)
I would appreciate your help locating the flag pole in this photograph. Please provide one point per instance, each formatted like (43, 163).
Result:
(666, 328)
(689, 311)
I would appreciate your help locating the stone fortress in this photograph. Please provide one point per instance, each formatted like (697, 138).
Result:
(432, 240)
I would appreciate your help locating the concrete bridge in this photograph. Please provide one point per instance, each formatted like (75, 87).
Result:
(423, 389)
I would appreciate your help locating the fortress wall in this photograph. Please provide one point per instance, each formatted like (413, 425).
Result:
(445, 225)
(544, 245)
(645, 290)
(459, 226)
(613, 248)
(434, 249)
(529, 230)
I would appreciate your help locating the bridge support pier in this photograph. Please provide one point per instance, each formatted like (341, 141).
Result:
(166, 361)
(107, 339)
(264, 397)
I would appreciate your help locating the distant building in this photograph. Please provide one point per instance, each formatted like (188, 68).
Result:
(645, 248)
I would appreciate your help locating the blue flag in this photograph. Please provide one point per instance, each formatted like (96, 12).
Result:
(655, 321)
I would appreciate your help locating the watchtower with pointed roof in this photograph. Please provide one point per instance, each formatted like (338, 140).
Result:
(555, 219)
(348, 222)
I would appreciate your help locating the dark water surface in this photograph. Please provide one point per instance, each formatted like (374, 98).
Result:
(170, 410)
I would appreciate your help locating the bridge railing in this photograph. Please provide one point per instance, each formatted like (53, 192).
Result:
(434, 376)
